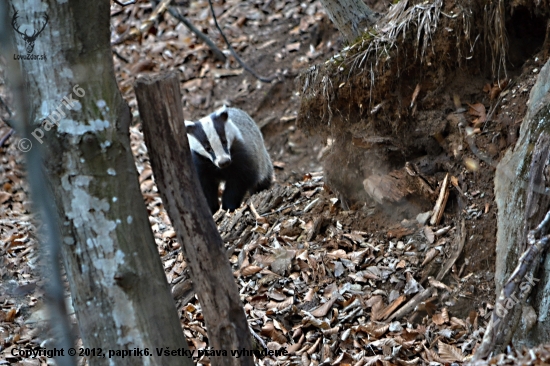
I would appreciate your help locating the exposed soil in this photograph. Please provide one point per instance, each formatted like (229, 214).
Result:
(317, 231)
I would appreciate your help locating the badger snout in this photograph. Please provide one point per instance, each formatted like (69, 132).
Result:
(224, 162)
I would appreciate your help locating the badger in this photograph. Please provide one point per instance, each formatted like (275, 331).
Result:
(228, 146)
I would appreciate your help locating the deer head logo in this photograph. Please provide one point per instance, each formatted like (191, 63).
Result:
(29, 39)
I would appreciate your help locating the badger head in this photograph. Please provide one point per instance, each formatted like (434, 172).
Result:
(212, 136)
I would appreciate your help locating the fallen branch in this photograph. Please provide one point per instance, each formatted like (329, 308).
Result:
(413, 303)
(457, 247)
(501, 323)
(441, 202)
(417, 300)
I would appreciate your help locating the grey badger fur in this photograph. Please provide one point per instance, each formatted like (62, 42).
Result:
(228, 146)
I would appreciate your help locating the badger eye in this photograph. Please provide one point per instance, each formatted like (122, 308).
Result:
(224, 141)
(208, 149)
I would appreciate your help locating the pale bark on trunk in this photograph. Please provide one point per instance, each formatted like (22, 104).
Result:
(118, 287)
(521, 194)
(349, 16)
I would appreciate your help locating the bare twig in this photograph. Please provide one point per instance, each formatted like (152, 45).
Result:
(124, 59)
(493, 108)
(6, 136)
(281, 208)
(129, 2)
(258, 338)
(241, 62)
(254, 212)
(217, 52)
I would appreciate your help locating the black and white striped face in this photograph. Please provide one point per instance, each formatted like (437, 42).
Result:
(212, 137)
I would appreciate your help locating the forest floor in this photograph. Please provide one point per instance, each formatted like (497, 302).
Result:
(328, 283)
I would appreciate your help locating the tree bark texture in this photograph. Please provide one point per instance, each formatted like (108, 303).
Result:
(349, 16)
(119, 290)
(160, 108)
(521, 184)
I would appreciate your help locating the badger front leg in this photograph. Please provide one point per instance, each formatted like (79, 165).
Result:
(210, 190)
(233, 195)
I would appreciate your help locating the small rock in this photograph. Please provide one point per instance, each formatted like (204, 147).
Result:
(408, 223)
(422, 218)
(395, 327)
(400, 245)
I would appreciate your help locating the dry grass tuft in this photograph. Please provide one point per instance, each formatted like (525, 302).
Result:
(495, 37)
(405, 27)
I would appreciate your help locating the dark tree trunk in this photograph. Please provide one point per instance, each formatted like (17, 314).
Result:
(165, 135)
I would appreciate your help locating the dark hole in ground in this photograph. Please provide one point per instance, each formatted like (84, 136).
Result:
(526, 33)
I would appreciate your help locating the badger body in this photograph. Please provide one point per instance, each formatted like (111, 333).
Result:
(228, 146)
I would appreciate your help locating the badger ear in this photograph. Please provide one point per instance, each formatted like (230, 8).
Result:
(220, 116)
(190, 127)
(223, 116)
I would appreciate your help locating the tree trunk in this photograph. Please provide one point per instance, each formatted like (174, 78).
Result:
(160, 108)
(521, 181)
(349, 16)
(119, 290)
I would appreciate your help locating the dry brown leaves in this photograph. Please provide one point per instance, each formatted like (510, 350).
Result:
(309, 288)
